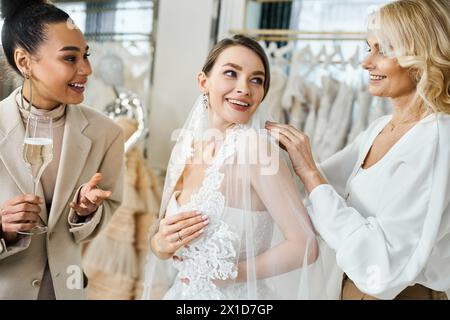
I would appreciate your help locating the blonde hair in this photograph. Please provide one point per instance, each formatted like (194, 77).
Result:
(416, 32)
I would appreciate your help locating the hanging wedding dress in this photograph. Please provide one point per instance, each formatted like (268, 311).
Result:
(311, 118)
(273, 100)
(362, 107)
(113, 261)
(339, 123)
(294, 92)
(258, 230)
(329, 91)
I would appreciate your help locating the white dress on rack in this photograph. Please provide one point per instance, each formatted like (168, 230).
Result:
(311, 119)
(364, 99)
(300, 100)
(339, 122)
(329, 91)
(273, 100)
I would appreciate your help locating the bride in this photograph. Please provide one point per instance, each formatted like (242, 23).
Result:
(232, 224)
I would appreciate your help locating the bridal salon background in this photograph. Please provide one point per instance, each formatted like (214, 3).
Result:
(145, 56)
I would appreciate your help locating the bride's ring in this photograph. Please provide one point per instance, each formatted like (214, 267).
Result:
(179, 237)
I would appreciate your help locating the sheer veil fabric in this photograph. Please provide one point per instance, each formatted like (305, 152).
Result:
(258, 226)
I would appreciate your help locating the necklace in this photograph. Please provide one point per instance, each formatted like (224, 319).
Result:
(391, 126)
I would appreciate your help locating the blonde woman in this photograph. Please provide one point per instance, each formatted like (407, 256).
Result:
(383, 203)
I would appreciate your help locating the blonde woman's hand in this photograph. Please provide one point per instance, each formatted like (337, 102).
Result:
(19, 214)
(177, 231)
(298, 146)
(90, 197)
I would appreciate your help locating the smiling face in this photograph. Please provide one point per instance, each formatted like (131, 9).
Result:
(60, 68)
(235, 86)
(387, 77)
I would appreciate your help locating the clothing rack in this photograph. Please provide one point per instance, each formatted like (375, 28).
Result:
(270, 1)
(284, 39)
(101, 15)
(119, 36)
(144, 4)
(285, 35)
(111, 9)
(296, 35)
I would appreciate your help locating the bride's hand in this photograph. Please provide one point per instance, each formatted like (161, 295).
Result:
(177, 231)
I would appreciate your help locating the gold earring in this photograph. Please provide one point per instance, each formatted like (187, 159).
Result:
(22, 105)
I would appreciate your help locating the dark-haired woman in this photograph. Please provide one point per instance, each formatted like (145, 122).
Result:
(81, 187)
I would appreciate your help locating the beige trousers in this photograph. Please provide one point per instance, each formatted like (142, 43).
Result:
(415, 292)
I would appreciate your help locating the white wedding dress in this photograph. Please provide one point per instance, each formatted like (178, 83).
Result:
(258, 227)
(213, 255)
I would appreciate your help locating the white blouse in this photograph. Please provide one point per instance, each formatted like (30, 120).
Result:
(390, 224)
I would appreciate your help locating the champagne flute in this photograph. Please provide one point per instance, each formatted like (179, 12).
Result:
(37, 154)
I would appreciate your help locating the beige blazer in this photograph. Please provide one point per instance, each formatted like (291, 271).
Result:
(91, 143)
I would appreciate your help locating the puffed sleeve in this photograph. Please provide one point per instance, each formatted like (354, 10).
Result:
(384, 253)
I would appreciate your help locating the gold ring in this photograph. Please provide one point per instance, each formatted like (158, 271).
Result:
(179, 237)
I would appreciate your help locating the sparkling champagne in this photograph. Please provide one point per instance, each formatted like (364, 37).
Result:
(37, 154)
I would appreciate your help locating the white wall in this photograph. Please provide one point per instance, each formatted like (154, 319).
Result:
(182, 43)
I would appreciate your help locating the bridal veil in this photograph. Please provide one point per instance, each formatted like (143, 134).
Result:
(260, 243)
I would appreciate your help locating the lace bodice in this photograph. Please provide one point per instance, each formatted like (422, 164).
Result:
(263, 225)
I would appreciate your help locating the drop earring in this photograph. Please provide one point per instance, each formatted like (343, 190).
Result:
(22, 105)
(205, 101)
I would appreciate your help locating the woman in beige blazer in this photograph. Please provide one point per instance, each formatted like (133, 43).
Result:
(81, 187)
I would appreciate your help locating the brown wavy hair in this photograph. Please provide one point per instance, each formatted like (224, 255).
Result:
(239, 40)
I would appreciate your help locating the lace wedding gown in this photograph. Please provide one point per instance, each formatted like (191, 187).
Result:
(259, 243)
(213, 255)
